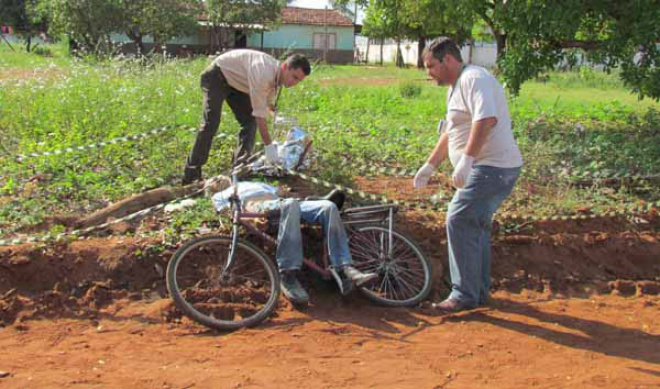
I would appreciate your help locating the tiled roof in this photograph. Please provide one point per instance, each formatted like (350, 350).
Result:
(330, 17)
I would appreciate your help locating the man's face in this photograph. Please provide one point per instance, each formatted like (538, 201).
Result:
(436, 69)
(291, 77)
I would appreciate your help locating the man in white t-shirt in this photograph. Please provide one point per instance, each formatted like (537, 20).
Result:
(250, 82)
(477, 137)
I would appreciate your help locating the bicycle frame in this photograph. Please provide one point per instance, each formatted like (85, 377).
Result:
(375, 214)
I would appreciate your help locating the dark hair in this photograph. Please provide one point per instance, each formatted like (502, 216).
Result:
(298, 61)
(441, 46)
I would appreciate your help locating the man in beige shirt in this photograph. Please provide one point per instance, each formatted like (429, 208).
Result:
(250, 82)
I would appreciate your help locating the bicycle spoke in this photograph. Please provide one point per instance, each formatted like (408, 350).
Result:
(217, 296)
(405, 274)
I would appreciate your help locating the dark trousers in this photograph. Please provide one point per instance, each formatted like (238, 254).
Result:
(216, 90)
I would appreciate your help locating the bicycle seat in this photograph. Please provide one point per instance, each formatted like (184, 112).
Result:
(336, 196)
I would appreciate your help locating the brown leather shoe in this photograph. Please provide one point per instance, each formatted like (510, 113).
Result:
(451, 305)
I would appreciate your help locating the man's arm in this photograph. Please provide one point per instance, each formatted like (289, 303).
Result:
(440, 150)
(263, 130)
(438, 154)
(479, 135)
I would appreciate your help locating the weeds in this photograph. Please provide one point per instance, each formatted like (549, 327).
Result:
(573, 127)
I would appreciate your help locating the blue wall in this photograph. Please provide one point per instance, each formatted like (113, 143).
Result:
(301, 37)
(201, 38)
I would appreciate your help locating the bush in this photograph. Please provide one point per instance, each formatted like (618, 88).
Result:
(42, 51)
(410, 90)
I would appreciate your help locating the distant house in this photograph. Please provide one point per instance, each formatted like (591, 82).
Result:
(317, 33)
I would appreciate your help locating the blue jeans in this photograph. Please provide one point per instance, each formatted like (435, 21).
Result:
(469, 224)
(289, 241)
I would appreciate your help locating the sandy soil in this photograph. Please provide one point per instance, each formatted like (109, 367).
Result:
(575, 305)
(523, 340)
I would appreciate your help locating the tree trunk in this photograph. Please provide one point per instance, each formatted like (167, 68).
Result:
(366, 55)
(73, 47)
(382, 42)
(421, 45)
(471, 50)
(143, 201)
(501, 44)
(28, 43)
(399, 56)
(137, 39)
(215, 39)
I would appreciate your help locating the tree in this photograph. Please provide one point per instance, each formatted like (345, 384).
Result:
(425, 19)
(418, 20)
(493, 13)
(88, 23)
(347, 7)
(622, 35)
(245, 15)
(160, 19)
(385, 19)
(375, 27)
(21, 15)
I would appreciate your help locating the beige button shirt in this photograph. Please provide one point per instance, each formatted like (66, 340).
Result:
(254, 73)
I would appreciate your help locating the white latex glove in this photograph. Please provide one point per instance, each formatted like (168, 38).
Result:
(271, 154)
(423, 176)
(462, 170)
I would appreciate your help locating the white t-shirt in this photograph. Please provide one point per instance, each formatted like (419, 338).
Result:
(477, 96)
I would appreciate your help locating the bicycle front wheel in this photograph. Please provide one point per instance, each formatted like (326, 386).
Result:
(219, 296)
(405, 275)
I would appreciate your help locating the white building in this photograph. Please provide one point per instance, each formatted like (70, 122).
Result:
(482, 54)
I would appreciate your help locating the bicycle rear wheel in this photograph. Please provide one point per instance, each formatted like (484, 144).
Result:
(405, 275)
(240, 296)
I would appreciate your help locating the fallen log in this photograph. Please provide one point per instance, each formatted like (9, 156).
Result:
(148, 199)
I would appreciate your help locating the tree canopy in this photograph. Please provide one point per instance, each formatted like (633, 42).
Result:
(245, 14)
(160, 19)
(623, 35)
(536, 36)
(21, 15)
(90, 23)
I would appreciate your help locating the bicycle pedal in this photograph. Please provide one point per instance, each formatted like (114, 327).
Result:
(345, 285)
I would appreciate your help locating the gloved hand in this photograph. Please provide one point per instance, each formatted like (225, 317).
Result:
(271, 154)
(462, 170)
(423, 176)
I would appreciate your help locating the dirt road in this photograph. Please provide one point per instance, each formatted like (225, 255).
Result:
(526, 340)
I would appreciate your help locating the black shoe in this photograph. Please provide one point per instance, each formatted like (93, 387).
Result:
(191, 174)
(336, 196)
(292, 289)
(357, 276)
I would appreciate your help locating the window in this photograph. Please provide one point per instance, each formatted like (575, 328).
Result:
(323, 41)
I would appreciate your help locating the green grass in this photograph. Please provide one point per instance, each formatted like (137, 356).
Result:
(571, 126)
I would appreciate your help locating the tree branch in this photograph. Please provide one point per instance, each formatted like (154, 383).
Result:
(575, 44)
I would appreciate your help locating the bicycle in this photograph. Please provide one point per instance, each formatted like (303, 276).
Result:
(225, 282)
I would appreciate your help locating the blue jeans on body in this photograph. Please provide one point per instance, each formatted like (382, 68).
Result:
(289, 240)
(469, 224)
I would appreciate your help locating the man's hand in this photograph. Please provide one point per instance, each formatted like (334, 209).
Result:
(271, 154)
(423, 176)
(462, 170)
